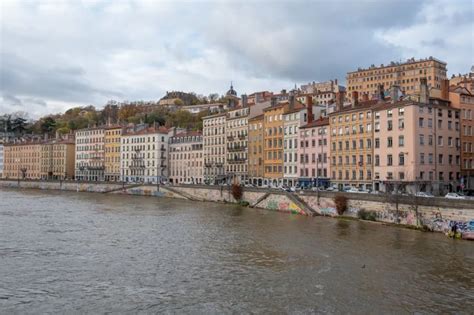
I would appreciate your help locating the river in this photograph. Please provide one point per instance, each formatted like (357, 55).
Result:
(63, 252)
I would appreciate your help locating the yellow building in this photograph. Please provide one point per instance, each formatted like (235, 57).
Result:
(22, 160)
(112, 138)
(351, 134)
(58, 159)
(255, 150)
(273, 142)
(406, 75)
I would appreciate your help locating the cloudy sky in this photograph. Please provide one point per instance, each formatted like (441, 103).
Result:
(62, 53)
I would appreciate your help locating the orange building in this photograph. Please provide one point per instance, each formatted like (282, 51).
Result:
(255, 150)
(22, 160)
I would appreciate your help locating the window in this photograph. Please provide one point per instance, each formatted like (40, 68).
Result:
(401, 111)
(401, 159)
(422, 158)
(440, 158)
(401, 123)
(430, 139)
(430, 158)
(377, 143)
(440, 140)
(389, 142)
(420, 122)
(401, 175)
(389, 113)
(389, 160)
(377, 160)
(377, 127)
(401, 141)
(389, 125)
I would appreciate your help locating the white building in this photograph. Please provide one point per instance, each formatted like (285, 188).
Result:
(214, 145)
(144, 155)
(1, 160)
(90, 164)
(186, 158)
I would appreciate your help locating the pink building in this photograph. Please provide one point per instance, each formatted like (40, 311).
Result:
(416, 146)
(313, 153)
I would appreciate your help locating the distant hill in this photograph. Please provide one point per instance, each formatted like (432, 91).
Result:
(182, 98)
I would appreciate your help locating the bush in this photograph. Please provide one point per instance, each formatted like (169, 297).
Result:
(341, 204)
(237, 191)
(367, 215)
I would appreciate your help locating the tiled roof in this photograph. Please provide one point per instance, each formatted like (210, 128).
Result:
(317, 123)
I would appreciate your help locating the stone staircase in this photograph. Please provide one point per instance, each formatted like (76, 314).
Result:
(124, 187)
(181, 193)
(265, 196)
(302, 204)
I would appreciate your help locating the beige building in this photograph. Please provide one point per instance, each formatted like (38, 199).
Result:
(144, 154)
(22, 160)
(58, 159)
(112, 152)
(416, 146)
(351, 138)
(90, 148)
(406, 75)
(214, 148)
(186, 158)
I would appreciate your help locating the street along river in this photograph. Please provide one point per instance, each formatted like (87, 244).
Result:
(66, 252)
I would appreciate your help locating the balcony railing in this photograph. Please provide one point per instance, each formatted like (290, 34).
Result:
(236, 148)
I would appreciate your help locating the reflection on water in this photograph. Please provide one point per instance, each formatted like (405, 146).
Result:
(65, 252)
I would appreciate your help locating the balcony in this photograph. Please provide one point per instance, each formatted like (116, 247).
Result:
(236, 160)
(242, 137)
(230, 138)
(236, 148)
(162, 149)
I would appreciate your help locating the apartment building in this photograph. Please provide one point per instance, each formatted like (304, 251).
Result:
(90, 164)
(273, 141)
(236, 143)
(1, 160)
(22, 160)
(313, 153)
(214, 148)
(406, 75)
(351, 143)
(112, 152)
(464, 80)
(255, 150)
(58, 159)
(461, 98)
(416, 146)
(186, 158)
(144, 154)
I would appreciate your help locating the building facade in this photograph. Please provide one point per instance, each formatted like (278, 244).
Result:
(313, 153)
(214, 148)
(58, 159)
(144, 155)
(90, 163)
(112, 152)
(22, 160)
(255, 150)
(416, 146)
(1, 160)
(406, 75)
(186, 158)
(462, 99)
(236, 144)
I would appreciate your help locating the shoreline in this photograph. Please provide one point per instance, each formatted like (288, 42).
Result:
(423, 214)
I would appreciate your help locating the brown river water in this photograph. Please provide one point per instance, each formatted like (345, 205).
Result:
(63, 252)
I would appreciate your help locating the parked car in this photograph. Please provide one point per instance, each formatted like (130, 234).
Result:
(364, 191)
(332, 188)
(351, 190)
(454, 196)
(292, 189)
(424, 194)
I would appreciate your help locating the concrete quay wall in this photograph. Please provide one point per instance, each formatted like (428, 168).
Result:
(436, 214)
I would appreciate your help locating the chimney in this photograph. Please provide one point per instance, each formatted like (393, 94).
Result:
(292, 100)
(244, 100)
(394, 94)
(273, 101)
(380, 93)
(424, 93)
(309, 107)
(355, 99)
(339, 101)
(365, 97)
(445, 89)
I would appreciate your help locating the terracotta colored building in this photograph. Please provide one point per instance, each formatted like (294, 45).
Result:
(462, 99)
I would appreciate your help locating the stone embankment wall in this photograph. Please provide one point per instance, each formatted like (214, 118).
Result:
(436, 214)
